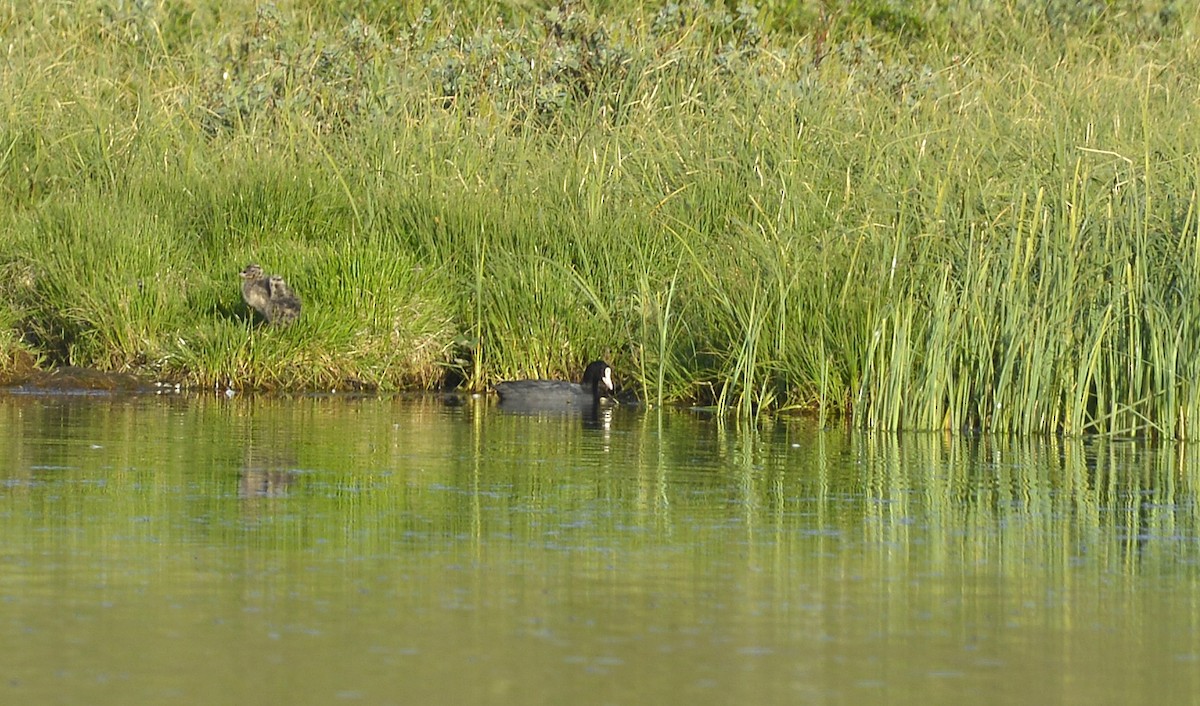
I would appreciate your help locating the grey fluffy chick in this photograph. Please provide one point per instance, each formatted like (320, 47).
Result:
(269, 295)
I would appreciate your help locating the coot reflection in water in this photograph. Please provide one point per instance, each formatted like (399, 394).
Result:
(587, 400)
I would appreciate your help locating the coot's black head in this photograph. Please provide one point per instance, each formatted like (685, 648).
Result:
(598, 376)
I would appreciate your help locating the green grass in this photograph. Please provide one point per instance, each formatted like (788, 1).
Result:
(970, 216)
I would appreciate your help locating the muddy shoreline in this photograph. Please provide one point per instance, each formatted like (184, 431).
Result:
(27, 377)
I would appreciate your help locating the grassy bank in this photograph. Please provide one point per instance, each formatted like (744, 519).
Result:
(975, 215)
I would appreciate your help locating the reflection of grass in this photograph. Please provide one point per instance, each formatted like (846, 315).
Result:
(977, 219)
(376, 478)
(260, 526)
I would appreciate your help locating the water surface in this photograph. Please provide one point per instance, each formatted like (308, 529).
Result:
(404, 551)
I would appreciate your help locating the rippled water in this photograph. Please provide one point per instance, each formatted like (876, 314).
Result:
(318, 550)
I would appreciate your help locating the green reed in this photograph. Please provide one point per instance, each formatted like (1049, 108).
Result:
(948, 220)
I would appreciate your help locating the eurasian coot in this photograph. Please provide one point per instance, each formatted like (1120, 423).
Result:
(597, 382)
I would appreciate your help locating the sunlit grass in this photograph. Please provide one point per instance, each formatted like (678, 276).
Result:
(946, 220)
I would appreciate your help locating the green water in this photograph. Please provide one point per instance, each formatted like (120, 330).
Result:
(322, 550)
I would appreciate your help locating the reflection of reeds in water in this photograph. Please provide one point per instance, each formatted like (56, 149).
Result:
(265, 483)
(941, 504)
(836, 502)
(1117, 505)
(265, 473)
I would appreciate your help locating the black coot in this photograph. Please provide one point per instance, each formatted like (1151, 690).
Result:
(597, 382)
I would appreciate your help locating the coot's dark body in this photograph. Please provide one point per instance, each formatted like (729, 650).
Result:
(596, 383)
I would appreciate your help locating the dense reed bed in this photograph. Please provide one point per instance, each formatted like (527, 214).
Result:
(971, 215)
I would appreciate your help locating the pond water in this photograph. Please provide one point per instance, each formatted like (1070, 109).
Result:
(202, 550)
